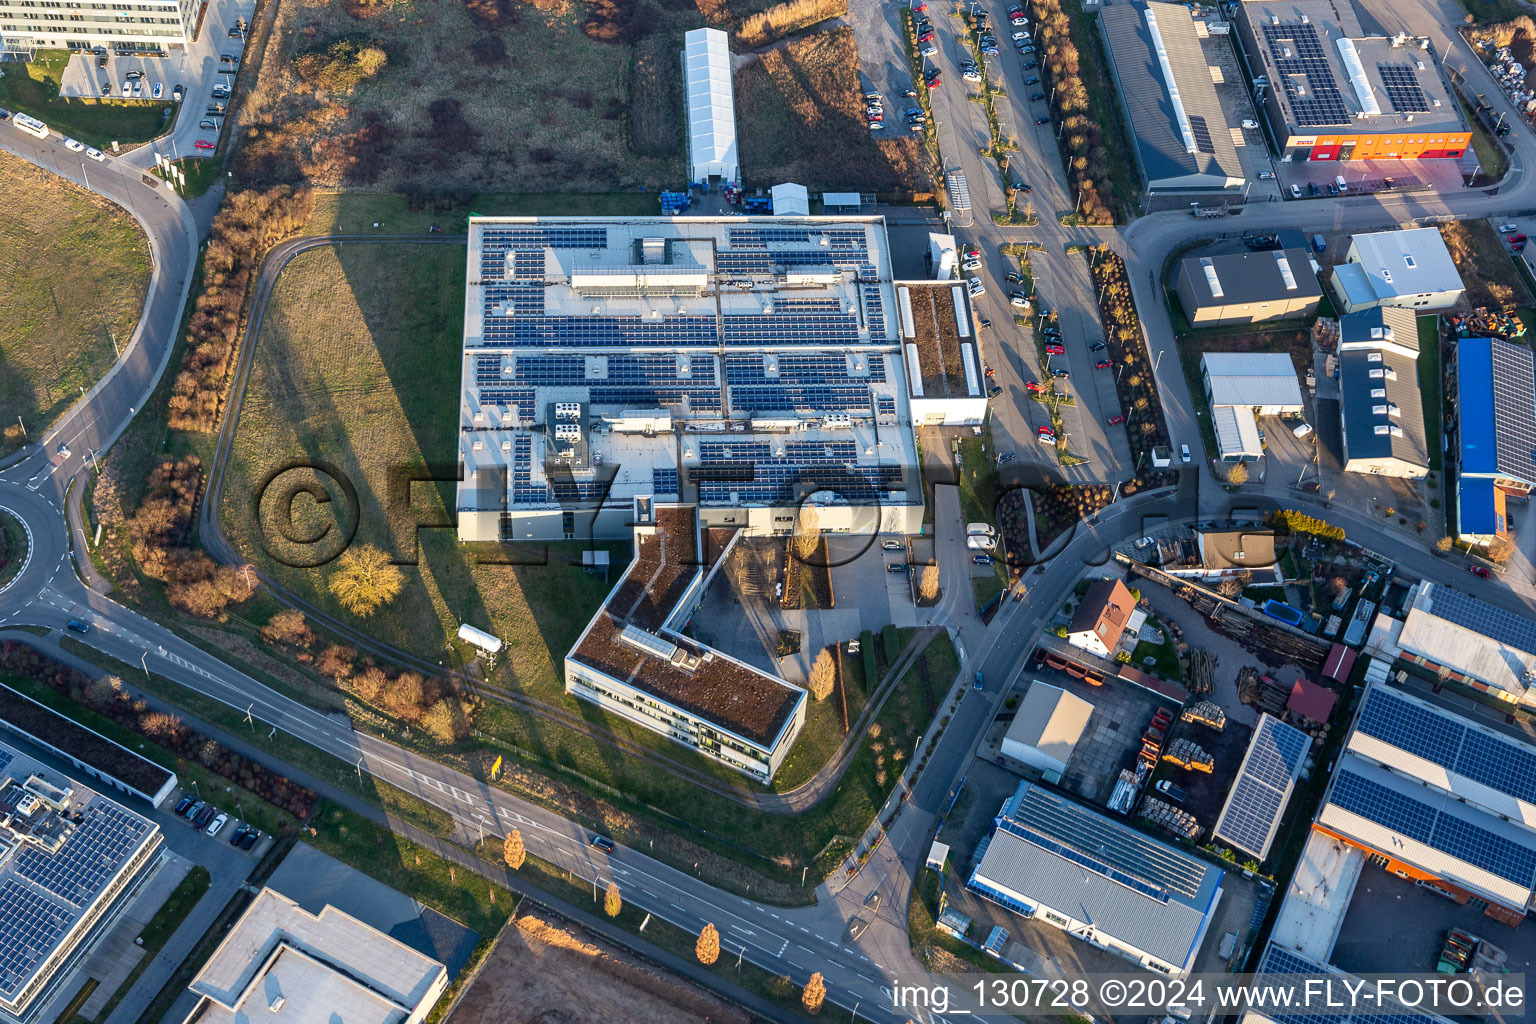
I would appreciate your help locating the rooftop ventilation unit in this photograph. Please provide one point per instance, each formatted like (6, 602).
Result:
(1357, 77)
(1211, 277)
(1283, 264)
(1179, 116)
(567, 410)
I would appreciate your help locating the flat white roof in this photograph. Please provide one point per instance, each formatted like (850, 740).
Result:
(1414, 261)
(1453, 629)
(711, 104)
(1051, 720)
(1252, 378)
(1318, 896)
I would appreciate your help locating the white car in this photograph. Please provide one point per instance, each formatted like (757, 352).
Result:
(73, 146)
(1184, 452)
(977, 288)
(1266, 175)
(138, 89)
(95, 154)
(970, 265)
(127, 87)
(156, 92)
(1506, 228)
(971, 75)
(1251, 125)
(216, 824)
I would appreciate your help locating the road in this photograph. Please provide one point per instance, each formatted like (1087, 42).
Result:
(36, 484)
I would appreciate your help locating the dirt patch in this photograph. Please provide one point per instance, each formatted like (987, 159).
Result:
(1482, 258)
(655, 99)
(546, 970)
(805, 105)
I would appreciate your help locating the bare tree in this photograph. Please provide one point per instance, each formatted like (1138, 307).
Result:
(823, 675)
(512, 850)
(612, 903)
(928, 583)
(707, 949)
(288, 627)
(815, 994)
(807, 532)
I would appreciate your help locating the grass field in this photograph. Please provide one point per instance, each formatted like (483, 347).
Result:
(805, 105)
(1486, 267)
(34, 88)
(74, 269)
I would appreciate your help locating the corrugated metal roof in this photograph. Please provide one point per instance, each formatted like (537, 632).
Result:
(1152, 108)
(1479, 510)
(711, 104)
(1237, 432)
(1252, 378)
(1165, 928)
(1408, 262)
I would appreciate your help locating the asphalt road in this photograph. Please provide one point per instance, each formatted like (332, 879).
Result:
(791, 941)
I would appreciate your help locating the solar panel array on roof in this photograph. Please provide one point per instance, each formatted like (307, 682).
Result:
(1317, 102)
(1258, 798)
(5, 759)
(1278, 960)
(779, 329)
(522, 459)
(89, 857)
(1139, 857)
(1514, 409)
(1202, 133)
(1503, 765)
(520, 399)
(539, 331)
(874, 311)
(30, 926)
(1402, 86)
(885, 405)
(1468, 612)
(784, 481)
(664, 481)
(1410, 816)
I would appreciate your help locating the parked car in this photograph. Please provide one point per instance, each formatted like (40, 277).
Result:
(182, 805)
(1030, 65)
(1032, 80)
(994, 392)
(208, 126)
(204, 816)
(1295, 191)
(1506, 228)
(975, 286)
(216, 824)
(1005, 458)
(1184, 453)
(1042, 120)
(157, 91)
(1266, 175)
(971, 75)
(238, 834)
(895, 567)
(106, 88)
(1513, 239)
(79, 625)
(205, 144)
(1172, 791)
(191, 812)
(1018, 300)
(1013, 278)
(177, 94)
(1055, 349)
(984, 322)
(138, 90)
(1061, 373)
(1481, 572)
(1097, 346)
(5, 115)
(1026, 49)
(981, 559)
(933, 80)
(1115, 420)
(1033, 385)
(602, 843)
(134, 75)
(978, 560)
(1302, 429)
(95, 154)
(969, 265)
(1020, 186)
(919, 6)
(1045, 435)
(891, 545)
(251, 837)
(1036, 97)
(1103, 364)
(972, 253)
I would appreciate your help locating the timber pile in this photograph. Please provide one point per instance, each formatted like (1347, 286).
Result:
(1176, 820)
(1189, 755)
(1206, 713)
(1201, 678)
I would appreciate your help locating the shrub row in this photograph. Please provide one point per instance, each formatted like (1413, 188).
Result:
(1082, 146)
(160, 535)
(107, 696)
(436, 705)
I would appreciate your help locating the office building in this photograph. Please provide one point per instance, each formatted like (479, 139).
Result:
(27, 26)
(1410, 268)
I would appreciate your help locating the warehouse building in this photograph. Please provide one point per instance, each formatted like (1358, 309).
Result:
(1470, 642)
(1183, 142)
(712, 156)
(634, 661)
(27, 26)
(1241, 386)
(280, 964)
(1410, 268)
(1495, 449)
(1438, 799)
(70, 861)
(1379, 399)
(1332, 92)
(1046, 730)
(1256, 803)
(741, 365)
(1247, 287)
(1097, 879)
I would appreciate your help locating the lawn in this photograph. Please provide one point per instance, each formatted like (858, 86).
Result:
(805, 104)
(1429, 371)
(34, 88)
(533, 94)
(978, 479)
(1490, 155)
(199, 173)
(74, 270)
(1494, 10)
(1486, 267)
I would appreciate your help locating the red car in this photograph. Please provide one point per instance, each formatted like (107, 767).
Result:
(1033, 385)
(1115, 421)
(1480, 572)
(1102, 364)
(928, 36)
(919, 7)
(1516, 239)
(204, 144)
(934, 82)
(1055, 350)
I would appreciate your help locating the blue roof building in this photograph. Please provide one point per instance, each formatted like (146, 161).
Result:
(1496, 446)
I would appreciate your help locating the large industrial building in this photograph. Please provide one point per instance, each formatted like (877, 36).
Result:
(1379, 399)
(1410, 268)
(1247, 287)
(70, 860)
(1241, 386)
(711, 99)
(634, 661)
(1332, 92)
(1256, 803)
(27, 26)
(737, 364)
(1495, 447)
(1097, 879)
(1471, 642)
(280, 964)
(1183, 142)
(1438, 799)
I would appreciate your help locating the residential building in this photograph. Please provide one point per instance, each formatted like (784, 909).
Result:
(1471, 642)
(1247, 287)
(1183, 144)
(283, 965)
(1330, 91)
(634, 661)
(1410, 267)
(1098, 879)
(1256, 803)
(1495, 438)
(946, 382)
(1046, 730)
(1212, 555)
(70, 861)
(1438, 799)
(711, 99)
(1379, 400)
(741, 365)
(1101, 617)
(27, 26)
(1241, 386)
